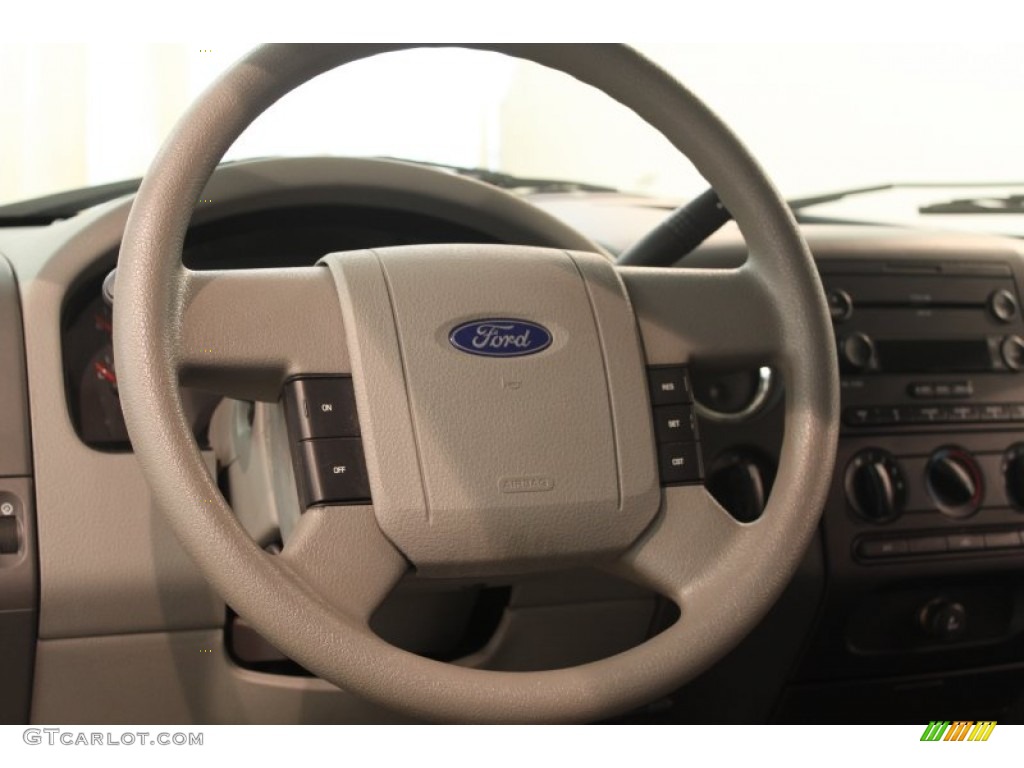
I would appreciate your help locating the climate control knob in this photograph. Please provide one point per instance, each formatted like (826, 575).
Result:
(1013, 474)
(955, 481)
(874, 484)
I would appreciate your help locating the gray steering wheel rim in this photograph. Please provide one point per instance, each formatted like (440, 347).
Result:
(147, 323)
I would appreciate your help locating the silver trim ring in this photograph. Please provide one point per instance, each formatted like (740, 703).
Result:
(764, 388)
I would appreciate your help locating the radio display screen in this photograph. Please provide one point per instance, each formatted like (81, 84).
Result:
(933, 356)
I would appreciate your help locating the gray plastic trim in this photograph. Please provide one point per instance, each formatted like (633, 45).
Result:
(15, 446)
(178, 678)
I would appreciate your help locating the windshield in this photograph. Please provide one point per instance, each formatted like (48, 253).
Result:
(819, 118)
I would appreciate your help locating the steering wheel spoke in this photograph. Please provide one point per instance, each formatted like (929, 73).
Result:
(684, 544)
(341, 554)
(722, 316)
(243, 332)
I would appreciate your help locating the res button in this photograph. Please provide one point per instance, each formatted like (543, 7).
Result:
(669, 386)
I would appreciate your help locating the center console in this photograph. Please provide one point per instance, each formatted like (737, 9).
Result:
(924, 525)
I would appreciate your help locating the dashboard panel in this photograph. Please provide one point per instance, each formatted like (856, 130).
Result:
(280, 237)
(856, 635)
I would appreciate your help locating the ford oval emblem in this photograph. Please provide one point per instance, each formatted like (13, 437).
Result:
(500, 337)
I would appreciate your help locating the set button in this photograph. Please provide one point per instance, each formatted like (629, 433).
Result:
(675, 424)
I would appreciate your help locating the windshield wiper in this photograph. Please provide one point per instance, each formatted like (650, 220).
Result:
(1007, 204)
(689, 226)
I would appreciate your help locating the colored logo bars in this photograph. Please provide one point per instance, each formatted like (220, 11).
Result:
(961, 730)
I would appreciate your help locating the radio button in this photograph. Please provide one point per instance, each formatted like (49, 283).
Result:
(857, 417)
(995, 412)
(922, 389)
(962, 389)
(931, 414)
(963, 413)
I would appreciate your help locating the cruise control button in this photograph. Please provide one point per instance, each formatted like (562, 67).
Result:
(882, 548)
(669, 386)
(335, 471)
(322, 407)
(675, 424)
(679, 463)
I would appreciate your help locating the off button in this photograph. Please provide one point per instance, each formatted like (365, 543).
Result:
(335, 471)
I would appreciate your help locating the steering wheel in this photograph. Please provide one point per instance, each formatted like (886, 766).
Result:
(450, 438)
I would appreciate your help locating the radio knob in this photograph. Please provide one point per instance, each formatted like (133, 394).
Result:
(875, 488)
(1003, 305)
(856, 351)
(955, 482)
(1012, 350)
(1013, 474)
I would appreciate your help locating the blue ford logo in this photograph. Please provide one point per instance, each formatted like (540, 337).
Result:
(500, 337)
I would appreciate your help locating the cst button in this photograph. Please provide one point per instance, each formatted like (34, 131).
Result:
(679, 463)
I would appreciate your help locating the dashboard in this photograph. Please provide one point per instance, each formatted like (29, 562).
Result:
(908, 606)
(281, 237)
